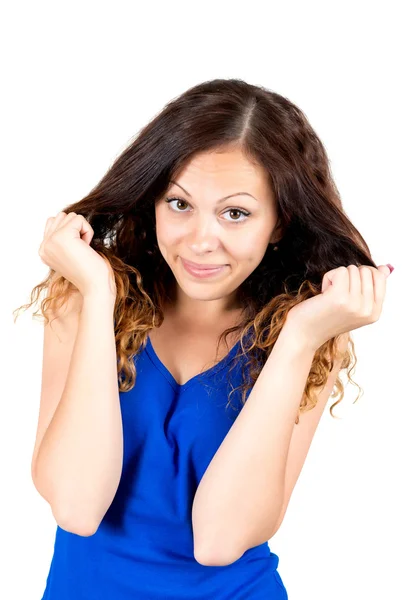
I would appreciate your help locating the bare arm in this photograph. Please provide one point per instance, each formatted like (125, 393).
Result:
(241, 494)
(78, 464)
(302, 437)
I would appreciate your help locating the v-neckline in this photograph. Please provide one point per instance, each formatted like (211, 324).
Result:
(183, 386)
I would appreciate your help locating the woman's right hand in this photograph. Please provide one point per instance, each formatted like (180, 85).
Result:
(66, 249)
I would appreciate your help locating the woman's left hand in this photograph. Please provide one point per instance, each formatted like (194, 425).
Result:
(350, 297)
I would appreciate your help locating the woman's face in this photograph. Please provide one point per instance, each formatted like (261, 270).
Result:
(203, 226)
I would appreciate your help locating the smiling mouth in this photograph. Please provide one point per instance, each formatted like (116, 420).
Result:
(199, 267)
(204, 273)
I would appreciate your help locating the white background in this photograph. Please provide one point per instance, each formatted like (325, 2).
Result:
(79, 80)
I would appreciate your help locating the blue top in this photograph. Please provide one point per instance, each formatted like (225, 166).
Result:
(143, 547)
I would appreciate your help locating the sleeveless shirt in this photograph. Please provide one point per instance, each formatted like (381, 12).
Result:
(143, 548)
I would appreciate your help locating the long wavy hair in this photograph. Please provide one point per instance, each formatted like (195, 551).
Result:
(271, 131)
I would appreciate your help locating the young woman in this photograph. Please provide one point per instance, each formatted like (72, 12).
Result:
(198, 310)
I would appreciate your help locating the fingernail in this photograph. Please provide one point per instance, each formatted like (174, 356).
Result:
(390, 267)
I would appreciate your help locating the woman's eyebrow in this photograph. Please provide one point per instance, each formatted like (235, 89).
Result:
(221, 199)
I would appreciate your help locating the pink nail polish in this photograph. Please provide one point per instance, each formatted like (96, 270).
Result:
(390, 267)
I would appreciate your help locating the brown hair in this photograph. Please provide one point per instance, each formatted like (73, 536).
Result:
(317, 234)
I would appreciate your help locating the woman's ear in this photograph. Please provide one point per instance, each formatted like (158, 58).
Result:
(276, 236)
(277, 233)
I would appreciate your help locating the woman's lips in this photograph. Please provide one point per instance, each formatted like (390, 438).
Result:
(201, 272)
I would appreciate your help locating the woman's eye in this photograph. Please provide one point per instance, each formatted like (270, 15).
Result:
(230, 210)
(170, 200)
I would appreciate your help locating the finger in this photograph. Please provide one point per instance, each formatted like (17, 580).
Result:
(367, 289)
(63, 221)
(379, 288)
(385, 269)
(47, 226)
(55, 222)
(338, 279)
(86, 231)
(355, 283)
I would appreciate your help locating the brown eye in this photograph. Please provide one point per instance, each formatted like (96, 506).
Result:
(245, 213)
(234, 210)
(175, 199)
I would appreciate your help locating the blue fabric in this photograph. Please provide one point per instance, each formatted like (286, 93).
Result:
(143, 548)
